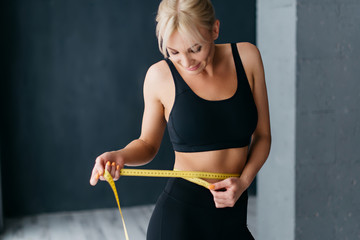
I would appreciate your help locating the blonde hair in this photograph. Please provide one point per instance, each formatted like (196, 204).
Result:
(185, 16)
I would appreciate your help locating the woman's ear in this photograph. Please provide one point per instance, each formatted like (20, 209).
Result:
(215, 30)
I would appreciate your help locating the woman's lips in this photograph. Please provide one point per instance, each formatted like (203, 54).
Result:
(193, 68)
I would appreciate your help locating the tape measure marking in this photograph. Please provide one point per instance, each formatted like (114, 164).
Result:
(175, 173)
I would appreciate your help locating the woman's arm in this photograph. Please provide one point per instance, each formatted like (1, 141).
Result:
(142, 150)
(261, 138)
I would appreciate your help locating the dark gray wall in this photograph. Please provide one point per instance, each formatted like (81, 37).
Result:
(72, 89)
(328, 120)
(1, 205)
(5, 53)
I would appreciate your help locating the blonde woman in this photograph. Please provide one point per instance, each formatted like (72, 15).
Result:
(213, 99)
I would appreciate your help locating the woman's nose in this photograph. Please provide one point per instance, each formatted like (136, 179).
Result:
(185, 61)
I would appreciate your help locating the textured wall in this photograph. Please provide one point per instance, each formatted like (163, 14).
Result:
(328, 120)
(72, 89)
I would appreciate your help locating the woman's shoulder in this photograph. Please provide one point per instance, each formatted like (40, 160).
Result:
(158, 70)
(247, 48)
(157, 79)
(249, 54)
(242, 45)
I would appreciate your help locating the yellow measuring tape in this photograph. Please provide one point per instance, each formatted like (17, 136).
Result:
(192, 176)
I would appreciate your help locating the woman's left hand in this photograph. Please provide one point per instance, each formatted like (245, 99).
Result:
(228, 191)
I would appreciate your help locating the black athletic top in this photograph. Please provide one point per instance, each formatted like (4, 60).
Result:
(196, 124)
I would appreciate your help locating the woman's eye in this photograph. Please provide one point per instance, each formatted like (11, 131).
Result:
(174, 53)
(198, 49)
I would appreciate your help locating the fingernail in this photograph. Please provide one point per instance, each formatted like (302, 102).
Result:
(212, 187)
(117, 167)
(113, 164)
(108, 164)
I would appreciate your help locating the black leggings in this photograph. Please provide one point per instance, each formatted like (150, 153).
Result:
(186, 211)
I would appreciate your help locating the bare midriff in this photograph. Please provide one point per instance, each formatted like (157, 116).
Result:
(219, 161)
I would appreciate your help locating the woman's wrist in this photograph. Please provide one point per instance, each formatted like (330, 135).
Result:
(120, 158)
(246, 181)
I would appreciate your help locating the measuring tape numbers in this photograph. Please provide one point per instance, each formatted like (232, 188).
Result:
(192, 176)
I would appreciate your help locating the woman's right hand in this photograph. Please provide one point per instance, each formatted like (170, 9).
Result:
(111, 161)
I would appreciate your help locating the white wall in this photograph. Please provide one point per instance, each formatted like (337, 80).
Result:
(276, 40)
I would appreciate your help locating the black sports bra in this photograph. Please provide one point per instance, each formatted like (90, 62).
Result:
(196, 124)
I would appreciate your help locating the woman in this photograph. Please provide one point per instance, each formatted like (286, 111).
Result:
(213, 99)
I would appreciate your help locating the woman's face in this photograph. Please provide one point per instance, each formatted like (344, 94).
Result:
(193, 57)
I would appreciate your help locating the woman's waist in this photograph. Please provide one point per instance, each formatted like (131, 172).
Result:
(226, 163)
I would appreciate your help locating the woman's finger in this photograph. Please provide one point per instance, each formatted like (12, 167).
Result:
(224, 199)
(224, 184)
(97, 171)
(223, 203)
(117, 172)
(220, 205)
(108, 166)
(99, 165)
(113, 168)
(220, 194)
(94, 177)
